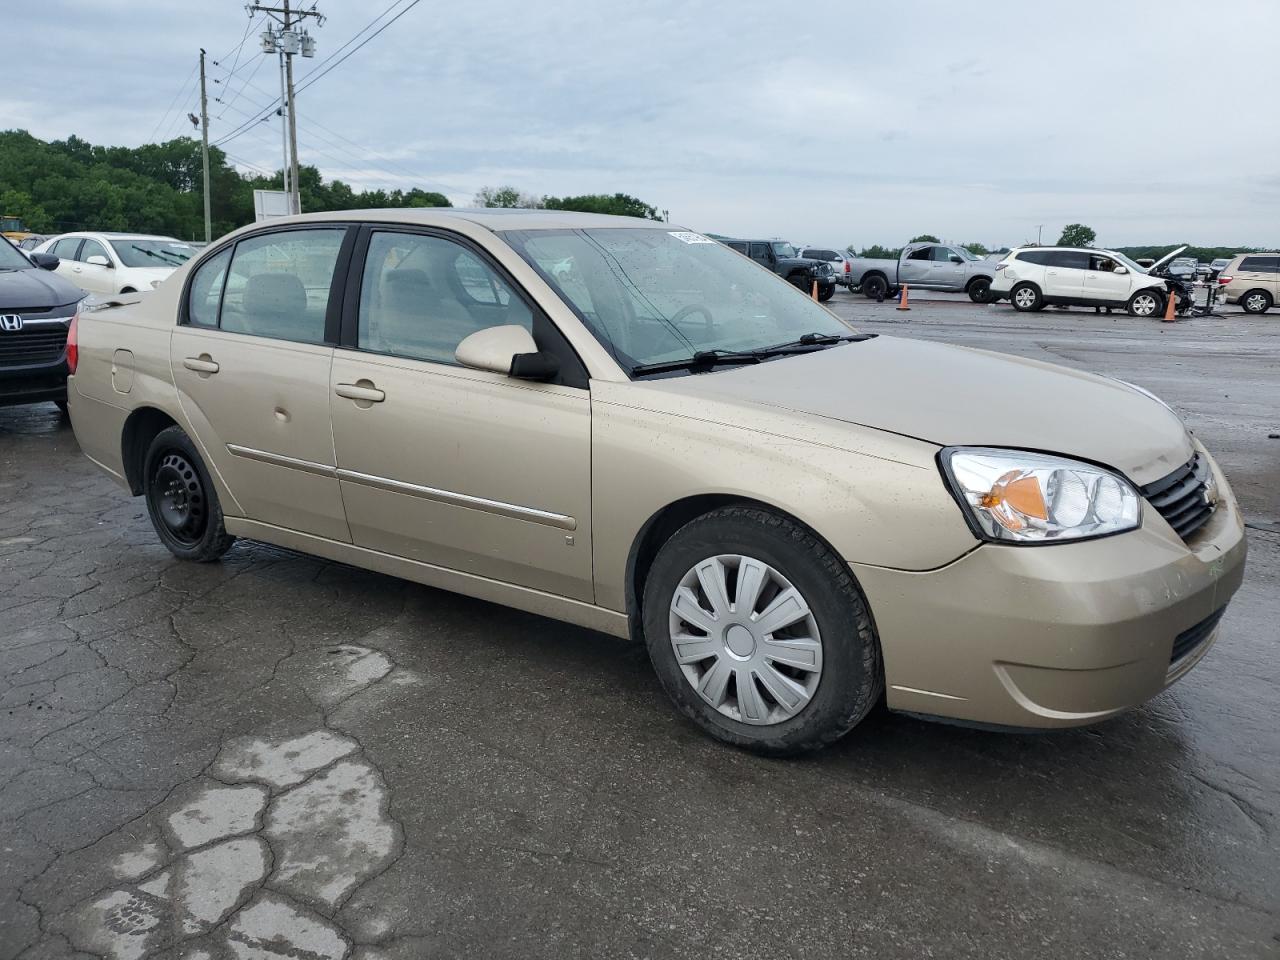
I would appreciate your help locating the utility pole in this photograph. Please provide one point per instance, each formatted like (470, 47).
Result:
(287, 41)
(284, 136)
(204, 136)
(1039, 227)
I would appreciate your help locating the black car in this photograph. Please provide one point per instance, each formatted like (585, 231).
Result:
(781, 257)
(36, 308)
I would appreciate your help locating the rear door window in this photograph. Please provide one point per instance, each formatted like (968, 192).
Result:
(924, 253)
(760, 251)
(66, 249)
(278, 285)
(1070, 259)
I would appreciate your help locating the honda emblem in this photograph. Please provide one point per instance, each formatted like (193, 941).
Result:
(10, 322)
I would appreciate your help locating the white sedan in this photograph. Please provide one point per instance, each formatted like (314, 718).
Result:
(112, 263)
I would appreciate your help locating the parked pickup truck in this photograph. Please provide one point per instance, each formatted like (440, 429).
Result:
(929, 266)
(781, 257)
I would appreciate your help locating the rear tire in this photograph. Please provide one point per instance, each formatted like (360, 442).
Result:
(1256, 302)
(802, 696)
(1026, 298)
(1146, 304)
(181, 500)
(980, 290)
(826, 293)
(875, 287)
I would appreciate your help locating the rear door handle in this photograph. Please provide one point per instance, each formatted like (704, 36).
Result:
(201, 365)
(364, 390)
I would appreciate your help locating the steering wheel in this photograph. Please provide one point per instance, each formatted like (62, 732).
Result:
(693, 308)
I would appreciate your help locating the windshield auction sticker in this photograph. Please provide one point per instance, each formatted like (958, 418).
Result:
(688, 237)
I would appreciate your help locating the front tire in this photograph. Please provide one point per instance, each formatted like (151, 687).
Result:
(980, 290)
(759, 633)
(1256, 301)
(826, 293)
(1026, 298)
(181, 500)
(1145, 304)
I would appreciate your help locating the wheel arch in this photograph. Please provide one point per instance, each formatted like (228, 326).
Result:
(662, 526)
(139, 430)
(974, 279)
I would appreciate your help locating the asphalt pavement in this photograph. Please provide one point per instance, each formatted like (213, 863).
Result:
(277, 756)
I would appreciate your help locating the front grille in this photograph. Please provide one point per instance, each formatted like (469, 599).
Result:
(1182, 498)
(1188, 641)
(32, 345)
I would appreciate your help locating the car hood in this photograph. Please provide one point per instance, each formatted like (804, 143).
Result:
(34, 289)
(957, 396)
(1164, 261)
(148, 274)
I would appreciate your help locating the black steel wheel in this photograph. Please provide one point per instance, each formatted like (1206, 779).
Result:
(980, 290)
(181, 500)
(875, 287)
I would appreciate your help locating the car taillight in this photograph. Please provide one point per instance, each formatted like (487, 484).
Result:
(846, 267)
(1224, 280)
(73, 349)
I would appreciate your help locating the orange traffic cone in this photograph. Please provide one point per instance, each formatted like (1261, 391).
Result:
(1170, 305)
(814, 293)
(902, 300)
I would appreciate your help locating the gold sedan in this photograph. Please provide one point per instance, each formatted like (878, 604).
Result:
(633, 428)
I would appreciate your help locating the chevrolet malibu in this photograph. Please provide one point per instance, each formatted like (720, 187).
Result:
(629, 427)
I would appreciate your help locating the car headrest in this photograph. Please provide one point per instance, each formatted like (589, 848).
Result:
(280, 294)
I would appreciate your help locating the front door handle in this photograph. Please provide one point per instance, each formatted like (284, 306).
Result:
(201, 364)
(362, 390)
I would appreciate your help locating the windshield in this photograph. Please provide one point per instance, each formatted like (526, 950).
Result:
(135, 252)
(657, 295)
(1120, 257)
(10, 258)
(967, 253)
(782, 250)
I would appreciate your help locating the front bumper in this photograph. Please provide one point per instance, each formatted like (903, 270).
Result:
(1061, 635)
(33, 384)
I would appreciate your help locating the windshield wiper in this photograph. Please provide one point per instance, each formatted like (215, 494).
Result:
(713, 358)
(158, 255)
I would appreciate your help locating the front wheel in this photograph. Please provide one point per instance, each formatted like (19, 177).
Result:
(826, 293)
(181, 501)
(759, 633)
(1256, 301)
(1145, 303)
(980, 290)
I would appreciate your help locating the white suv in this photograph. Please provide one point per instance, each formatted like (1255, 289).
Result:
(1033, 277)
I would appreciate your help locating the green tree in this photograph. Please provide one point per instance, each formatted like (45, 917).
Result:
(504, 197)
(877, 252)
(980, 249)
(618, 204)
(1077, 235)
(925, 238)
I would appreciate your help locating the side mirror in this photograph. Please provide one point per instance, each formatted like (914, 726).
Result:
(509, 350)
(956, 259)
(98, 260)
(45, 261)
(1120, 270)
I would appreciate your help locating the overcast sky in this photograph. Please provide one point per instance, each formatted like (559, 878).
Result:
(829, 123)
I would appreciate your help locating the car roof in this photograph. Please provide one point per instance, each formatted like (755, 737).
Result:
(108, 235)
(495, 219)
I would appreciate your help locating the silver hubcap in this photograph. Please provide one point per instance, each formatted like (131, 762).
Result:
(745, 639)
(1144, 306)
(1255, 302)
(1025, 298)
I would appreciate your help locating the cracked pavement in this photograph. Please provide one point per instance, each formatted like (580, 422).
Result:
(276, 756)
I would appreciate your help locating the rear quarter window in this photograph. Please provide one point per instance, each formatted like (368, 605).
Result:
(1260, 265)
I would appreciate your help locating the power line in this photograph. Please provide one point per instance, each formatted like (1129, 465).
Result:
(181, 90)
(321, 70)
(247, 81)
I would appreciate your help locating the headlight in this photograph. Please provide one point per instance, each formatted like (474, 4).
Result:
(1015, 497)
